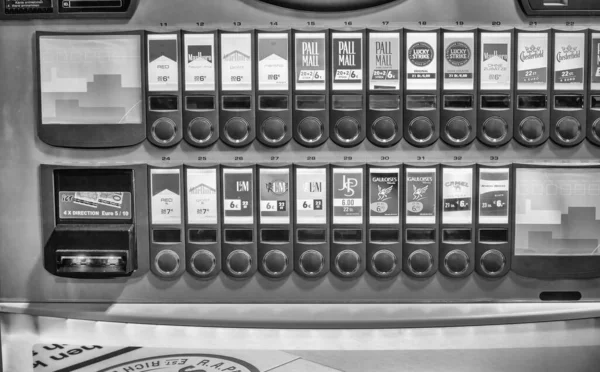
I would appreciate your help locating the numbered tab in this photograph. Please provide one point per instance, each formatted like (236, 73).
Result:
(163, 67)
(199, 63)
(384, 196)
(569, 60)
(348, 195)
(202, 196)
(421, 66)
(532, 61)
(495, 61)
(493, 195)
(274, 196)
(273, 61)
(595, 65)
(166, 196)
(236, 61)
(347, 66)
(459, 64)
(238, 200)
(457, 196)
(311, 196)
(384, 61)
(310, 61)
(421, 195)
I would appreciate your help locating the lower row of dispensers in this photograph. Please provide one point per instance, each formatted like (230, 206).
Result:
(313, 220)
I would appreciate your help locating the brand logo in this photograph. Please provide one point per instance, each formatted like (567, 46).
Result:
(568, 52)
(348, 185)
(202, 189)
(312, 186)
(236, 56)
(347, 53)
(385, 179)
(383, 194)
(531, 52)
(242, 186)
(310, 53)
(196, 52)
(495, 50)
(277, 187)
(458, 54)
(420, 54)
(419, 193)
(383, 54)
(458, 185)
(185, 363)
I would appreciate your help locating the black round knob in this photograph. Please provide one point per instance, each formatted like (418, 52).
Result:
(495, 129)
(200, 130)
(237, 129)
(203, 262)
(492, 262)
(568, 129)
(275, 262)
(164, 130)
(347, 262)
(310, 129)
(239, 262)
(458, 129)
(596, 129)
(421, 129)
(311, 262)
(384, 262)
(456, 262)
(273, 129)
(420, 262)
(384, 129)
(347, 129)
(531, 129)
(167, 262)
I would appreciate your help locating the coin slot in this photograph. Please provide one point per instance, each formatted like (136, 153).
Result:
(595, 102)
(310, 102)
(560, 296)
(495, 101)
(238, 236)
(273, 103)
(493, 235)
(347, 102)
(384, 102)
(458, 101)
(163, 103)
(200, 103)
(203, 235)
(568, 102)
(275, 236)
(385, 236)
(347, 236)
(420, 236)
(532, 101)
(312, 236)
(166, 236)
(237, 103)
(421, 102)
(556, 3)
(456, 235)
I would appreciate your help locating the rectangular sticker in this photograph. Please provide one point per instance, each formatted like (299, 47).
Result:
(163, 65)
(421, 195)
(202, 196)
(421, 65)
(457, 195)
(532, 61)
(94, 205)
(493, 195)
(238, 200)
(347, 195)
(310, 61)
(311, 196)
(569, 60)
(347, 66)
(595, 65)
(28, 6)
(384, 196)
(199, 62)
(274, 195)
(236, 61)
(495, 60)
(384, 61)
(459, 63)
(273, 61)
(165, 193)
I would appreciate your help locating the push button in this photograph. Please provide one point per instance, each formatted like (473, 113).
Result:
(203, 262)
(167, 262)
(492, 262)
(239, 262)
(347, 129)
(200, 130)
(237, 129)
(384, 129)
(311, 262)
(456, 262)
(421, 129)
(568, 129)
(420, 262)
(310, 129)
(495, 129)
(531, 129)
(275, 262)
(164, 130)
(273, 129)
(458, 129)
(384, 262)
(347, 262)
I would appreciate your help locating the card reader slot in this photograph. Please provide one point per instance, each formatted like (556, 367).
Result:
(420, 236)
(347, 236)
(312, 236)
(384, 236)
(421, 102)
(456, 235)
(532, 102)
(239, 236)
(568, 102)
(495, 101)
(493, 235)
(200, 103)
(202, 235)
(458, 102)
(313, 102)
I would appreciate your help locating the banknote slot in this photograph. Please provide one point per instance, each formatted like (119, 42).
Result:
(166, 236)
(556, 3)
(237, 103)
(384, 102)
(493, 235)
(200, 103)
(532, 101)
(312, 236)
(456, 235)
(595, 102)
(163, 103)
(458, 101)
(495, 101)
(385, 236)
(202, 236)
(560, 296)
(239, 236)
(420, 236)
(313, 102)
(90, 262)
(273, 103)
(347, 102)
(568, 102)
(275, 236)
(420, 102)
(347, 236)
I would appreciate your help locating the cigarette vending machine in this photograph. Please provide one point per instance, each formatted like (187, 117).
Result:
(282, 185)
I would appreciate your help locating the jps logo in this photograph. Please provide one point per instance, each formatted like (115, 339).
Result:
(348, 185)
(242, 186)
(313, 187)
(277, 187)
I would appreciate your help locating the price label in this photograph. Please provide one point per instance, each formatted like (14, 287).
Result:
(238, 201)
(273, 61)
(457, 195)
(310, 61)
(163, 65)
(493, 195)
(348, 195)
(165, 196)
(311, 196)
(199, 62)
(384, 195)
(274, 195)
